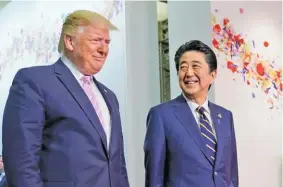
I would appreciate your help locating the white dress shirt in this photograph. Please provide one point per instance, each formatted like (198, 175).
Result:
(102, 104)
(193, 106)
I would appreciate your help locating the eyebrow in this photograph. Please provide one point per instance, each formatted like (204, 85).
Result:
(194, 61)
(94, 34)
(98, 36)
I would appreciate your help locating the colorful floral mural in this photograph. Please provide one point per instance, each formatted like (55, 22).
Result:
(236, 53)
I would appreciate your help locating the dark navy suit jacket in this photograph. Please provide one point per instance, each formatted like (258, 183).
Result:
(52, 136)
(3, 182)
(175, 153)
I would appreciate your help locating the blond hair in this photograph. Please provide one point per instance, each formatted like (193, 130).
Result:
(78, 19)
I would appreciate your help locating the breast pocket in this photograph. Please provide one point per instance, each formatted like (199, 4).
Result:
(58, 184)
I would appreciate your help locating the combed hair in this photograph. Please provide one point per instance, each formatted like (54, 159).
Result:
(78, 19)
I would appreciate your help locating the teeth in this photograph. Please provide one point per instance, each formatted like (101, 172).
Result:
(190, 82)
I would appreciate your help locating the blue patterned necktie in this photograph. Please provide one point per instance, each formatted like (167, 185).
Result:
(207, 134)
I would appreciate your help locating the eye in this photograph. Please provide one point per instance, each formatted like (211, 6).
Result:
(107, 41)
(196, 66)
(95, 40)
(183, 68)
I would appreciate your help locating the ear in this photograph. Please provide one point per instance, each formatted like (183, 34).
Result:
(69, 42)
(213, 76)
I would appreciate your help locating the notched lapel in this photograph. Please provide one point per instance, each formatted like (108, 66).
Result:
(114, 115)
(70, 82)
(217, 118)
(184, 114)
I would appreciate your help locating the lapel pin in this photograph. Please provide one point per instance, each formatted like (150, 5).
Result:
(105, 91)
(219, 115)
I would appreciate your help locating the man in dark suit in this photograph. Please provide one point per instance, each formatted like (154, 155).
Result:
(190, 141)
(61, 126)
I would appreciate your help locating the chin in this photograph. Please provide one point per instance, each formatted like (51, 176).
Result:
(190, 91)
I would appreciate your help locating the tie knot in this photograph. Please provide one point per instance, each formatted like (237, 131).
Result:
(200, 110)
(86, 79)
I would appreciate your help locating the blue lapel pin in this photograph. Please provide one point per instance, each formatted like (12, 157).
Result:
(219, 117)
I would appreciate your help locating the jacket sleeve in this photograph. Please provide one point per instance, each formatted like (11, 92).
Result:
(155, 150)
(234, 161)
(23, 123)
(124, 174)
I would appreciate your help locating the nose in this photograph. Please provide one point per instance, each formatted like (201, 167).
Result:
(189, 72)
(103, 48)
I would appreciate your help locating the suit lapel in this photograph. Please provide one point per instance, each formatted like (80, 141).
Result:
(67, 78)
(105, 96)
(216, 117)
(113, 115)
(186, 118)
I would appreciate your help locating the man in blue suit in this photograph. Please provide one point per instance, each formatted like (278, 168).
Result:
(61, 126)
(190, 141)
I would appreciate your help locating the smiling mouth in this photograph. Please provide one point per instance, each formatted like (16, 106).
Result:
(100, 58)
(190, 82)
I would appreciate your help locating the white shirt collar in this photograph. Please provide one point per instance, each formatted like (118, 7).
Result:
(193, 106)
(72, 67)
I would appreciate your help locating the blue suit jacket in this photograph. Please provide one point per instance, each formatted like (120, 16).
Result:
(3, 182)
(52, 136)
(175, 154)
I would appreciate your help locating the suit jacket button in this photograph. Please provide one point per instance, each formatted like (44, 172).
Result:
(215, 173)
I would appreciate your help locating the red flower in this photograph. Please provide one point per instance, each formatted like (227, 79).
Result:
(215, 43)
(260, 69)
(217, 28)
(225, 21)
(231, 66)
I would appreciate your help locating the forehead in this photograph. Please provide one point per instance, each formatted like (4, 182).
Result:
(193, 56)
(96, 31)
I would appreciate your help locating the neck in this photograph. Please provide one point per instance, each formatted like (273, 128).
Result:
(198, 100)
(78, 66)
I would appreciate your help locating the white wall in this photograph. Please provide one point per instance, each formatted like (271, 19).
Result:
(258, 127)
(187, 20)
(143, 89)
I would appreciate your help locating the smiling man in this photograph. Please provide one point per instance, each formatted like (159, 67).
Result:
(62, 127)
(191, 141)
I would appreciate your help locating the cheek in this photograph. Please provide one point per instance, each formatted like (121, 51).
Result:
(90, 48)
(84, 50)
(180, 77)
(205, 80)
(182, 74)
